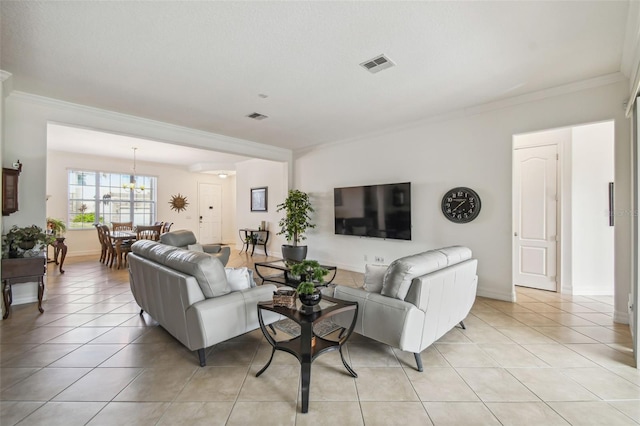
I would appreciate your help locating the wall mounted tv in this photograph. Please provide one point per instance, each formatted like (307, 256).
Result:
(379, 211)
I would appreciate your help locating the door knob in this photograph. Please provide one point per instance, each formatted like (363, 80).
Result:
(515, 234)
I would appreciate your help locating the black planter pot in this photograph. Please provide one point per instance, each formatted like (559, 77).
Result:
(27, 244)
(294, 253)
(309, 301)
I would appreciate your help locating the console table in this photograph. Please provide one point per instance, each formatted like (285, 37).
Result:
(308, 346)
(253, 237)
(22, 269)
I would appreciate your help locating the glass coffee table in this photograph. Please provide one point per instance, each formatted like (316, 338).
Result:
(308, 346)
(278, 272)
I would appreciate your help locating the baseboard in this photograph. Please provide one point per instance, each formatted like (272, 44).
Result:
(621, 317)
(498, 295)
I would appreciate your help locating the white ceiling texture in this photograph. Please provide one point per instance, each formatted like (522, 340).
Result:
(207, 65)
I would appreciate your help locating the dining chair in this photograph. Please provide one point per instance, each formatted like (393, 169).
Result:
(103, 243)
(151, 232)
(110, 249)
(122, 226)
(118, 246)
(166, 227)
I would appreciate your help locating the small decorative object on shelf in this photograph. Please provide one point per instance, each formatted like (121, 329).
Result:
(311, 275)
(309, 295)
(286, 298)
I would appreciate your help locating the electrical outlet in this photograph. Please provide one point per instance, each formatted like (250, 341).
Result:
(379, 259)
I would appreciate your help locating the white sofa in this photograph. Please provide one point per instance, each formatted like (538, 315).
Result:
(187, 292)
(419, 299)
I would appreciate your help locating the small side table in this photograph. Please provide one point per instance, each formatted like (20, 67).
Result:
(308, 346)
(254, 237)
(22, 269)
(59, 248)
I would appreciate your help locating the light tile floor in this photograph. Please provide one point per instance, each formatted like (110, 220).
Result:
(91, 359)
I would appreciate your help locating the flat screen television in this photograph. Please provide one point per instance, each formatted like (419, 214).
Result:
(379, 211)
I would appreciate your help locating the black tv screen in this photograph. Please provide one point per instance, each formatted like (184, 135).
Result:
(380, 211)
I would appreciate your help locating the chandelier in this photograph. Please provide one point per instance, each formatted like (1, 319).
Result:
(132, 183)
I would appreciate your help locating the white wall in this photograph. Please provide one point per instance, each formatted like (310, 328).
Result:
(256, 174)
(592, 237)
(470, 149)
(171, 181)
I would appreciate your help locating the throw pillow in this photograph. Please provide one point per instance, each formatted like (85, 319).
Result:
(238, 278)
(195, 247)
(374, 277)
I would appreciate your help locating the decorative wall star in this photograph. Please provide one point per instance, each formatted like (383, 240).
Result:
(178, 203)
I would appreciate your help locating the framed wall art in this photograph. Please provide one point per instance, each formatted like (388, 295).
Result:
(259, 199)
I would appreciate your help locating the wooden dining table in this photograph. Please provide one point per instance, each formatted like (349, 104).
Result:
(118, 238)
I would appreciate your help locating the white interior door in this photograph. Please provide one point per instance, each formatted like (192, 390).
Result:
(535, 189)
(210, 213)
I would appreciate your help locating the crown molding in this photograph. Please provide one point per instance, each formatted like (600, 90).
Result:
(223, 143)
(577, 86)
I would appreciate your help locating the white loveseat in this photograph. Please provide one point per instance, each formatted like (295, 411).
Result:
(187, 292)
(421, 298)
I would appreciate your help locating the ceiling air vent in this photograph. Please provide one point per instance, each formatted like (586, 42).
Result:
(257, 116)
(377, 64)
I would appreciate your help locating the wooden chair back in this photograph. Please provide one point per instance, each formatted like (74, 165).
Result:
(166, 227)
(151, 232)
(122, 226)
(105, 232)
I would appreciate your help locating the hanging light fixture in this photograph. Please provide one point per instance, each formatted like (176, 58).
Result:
(132, 183)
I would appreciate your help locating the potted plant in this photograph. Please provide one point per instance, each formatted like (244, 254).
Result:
(26, 241)
(294, 224)
(56, 226)
(311, 275)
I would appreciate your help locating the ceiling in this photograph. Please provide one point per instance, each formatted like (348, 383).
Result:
(91, 142)
(207, 65)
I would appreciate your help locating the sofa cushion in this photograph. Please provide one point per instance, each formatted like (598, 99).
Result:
(401, 272)
(206, 269)
(195, 247)
(239, 278)
(374, 277)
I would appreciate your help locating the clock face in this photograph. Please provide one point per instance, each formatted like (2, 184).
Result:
(461, 205)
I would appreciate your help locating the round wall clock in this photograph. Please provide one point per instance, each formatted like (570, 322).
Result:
(178, 203)
(461, 205)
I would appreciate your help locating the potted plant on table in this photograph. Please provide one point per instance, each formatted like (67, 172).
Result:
(311, 274)
(293, 225)
(27, 241)
(56, 226)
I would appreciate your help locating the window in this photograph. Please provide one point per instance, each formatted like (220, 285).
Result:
(102, 197)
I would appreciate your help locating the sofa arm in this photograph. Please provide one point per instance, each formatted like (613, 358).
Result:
(211, 248)
(216, 250)
(385, 319)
